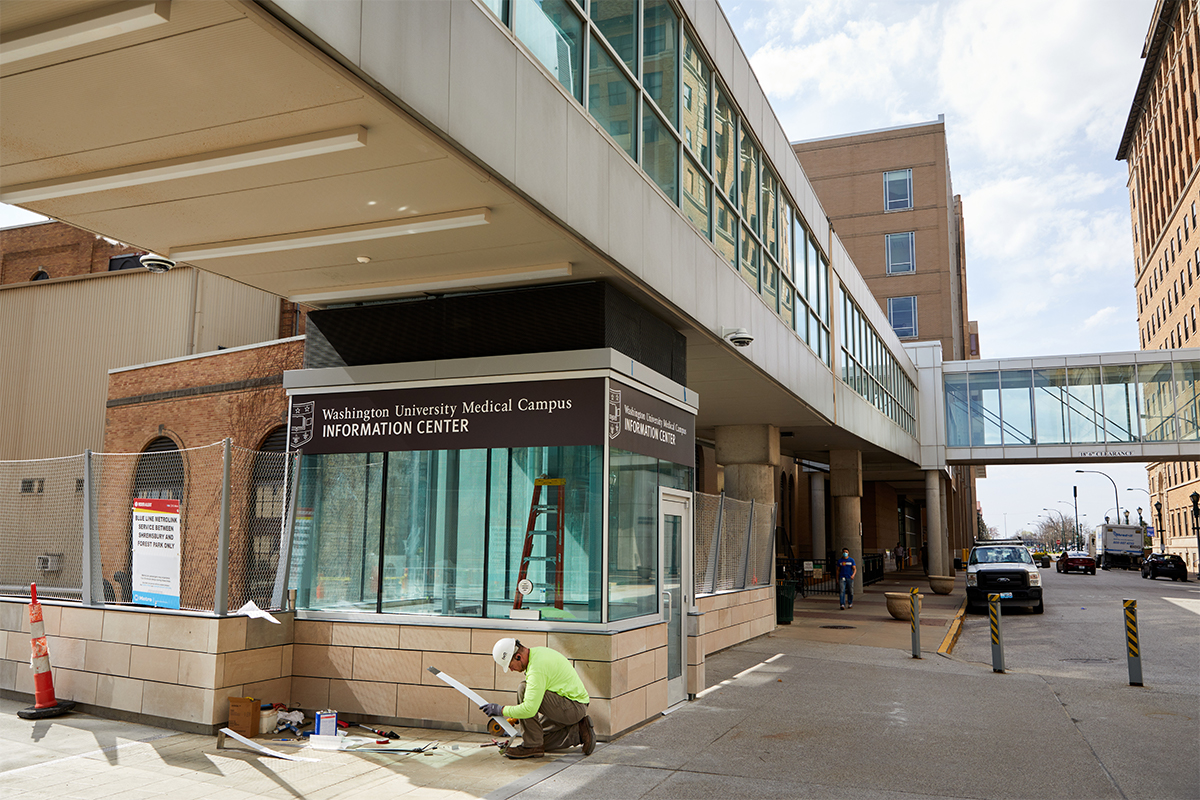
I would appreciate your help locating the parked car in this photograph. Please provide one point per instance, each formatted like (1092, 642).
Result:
(1003, 567)
(1166, 564)
(1076, 561)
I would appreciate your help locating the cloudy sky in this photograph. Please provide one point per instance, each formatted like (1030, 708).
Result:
(1035, 96)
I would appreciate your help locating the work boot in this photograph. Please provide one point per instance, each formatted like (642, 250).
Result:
(521, 751)
(587, 736)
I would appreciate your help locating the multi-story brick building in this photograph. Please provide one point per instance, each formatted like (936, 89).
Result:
(889, 196)
(1161, 145)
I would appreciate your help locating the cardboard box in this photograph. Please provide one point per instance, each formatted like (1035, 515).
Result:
(244, 716)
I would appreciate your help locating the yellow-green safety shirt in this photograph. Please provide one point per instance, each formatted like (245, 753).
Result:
(548, 671)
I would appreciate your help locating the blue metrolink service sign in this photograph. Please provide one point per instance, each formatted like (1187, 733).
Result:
(525, 414)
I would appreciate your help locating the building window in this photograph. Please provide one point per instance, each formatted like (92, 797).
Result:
(900, 249)
(897, 187)
(554, 34)
(902, 314)
(40, 275)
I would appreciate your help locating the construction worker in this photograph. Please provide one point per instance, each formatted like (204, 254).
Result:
(552, 704)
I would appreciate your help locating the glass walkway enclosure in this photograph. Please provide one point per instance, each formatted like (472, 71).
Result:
(1132, 406)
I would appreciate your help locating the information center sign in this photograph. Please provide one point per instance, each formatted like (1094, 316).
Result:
(584, 411)
(156, 552)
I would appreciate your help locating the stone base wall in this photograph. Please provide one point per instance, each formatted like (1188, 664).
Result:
(180, 670)
(176, 670)
(722, 621)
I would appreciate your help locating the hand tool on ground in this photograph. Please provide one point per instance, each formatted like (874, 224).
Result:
(388, 734)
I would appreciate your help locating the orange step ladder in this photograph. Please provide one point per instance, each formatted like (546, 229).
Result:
(553, 537)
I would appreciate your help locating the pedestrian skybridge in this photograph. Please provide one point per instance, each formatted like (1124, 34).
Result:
(1137, 406)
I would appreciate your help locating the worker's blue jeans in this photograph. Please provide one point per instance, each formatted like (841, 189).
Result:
(846, 591)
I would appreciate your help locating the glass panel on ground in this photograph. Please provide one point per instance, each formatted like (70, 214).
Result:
(1050, 406)
(553, 32)
(612, 99)
(1120, 404)
(1016, 406)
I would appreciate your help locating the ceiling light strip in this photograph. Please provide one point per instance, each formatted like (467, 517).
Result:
(90, 26)
(418, 287)
(313, 144)
(334, 236)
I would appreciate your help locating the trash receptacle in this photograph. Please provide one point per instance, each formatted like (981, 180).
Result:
(785, 600)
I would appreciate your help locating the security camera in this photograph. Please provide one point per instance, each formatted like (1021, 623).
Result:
(738, 337)
(156, 263)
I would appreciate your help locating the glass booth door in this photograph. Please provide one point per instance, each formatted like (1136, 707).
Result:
(675, 547)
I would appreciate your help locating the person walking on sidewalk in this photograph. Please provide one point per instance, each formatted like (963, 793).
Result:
(552, 705)
(846, 570)
(899, 557)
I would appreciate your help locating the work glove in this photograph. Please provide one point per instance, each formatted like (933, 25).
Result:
(492, 709)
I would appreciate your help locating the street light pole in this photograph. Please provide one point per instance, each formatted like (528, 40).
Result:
(1075, 492)
(1116, 494)
(1158, 510)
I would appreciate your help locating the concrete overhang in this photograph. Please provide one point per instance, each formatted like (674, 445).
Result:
(213, 133)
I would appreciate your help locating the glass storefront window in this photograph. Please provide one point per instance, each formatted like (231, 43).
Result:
(660, 152)
(725, 233)
(660, 51)
(696, 196)
(617, 20)
(749, 177)
(451, 526)
(695, 124)
(612, 100)
(553, 32)
(725, 147)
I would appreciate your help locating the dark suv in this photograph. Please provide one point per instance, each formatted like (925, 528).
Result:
(1166, 564)
(1004, 568)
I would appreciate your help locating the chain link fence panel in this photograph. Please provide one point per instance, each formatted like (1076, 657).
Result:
(734, 543)
(58, 516)
(41, 526)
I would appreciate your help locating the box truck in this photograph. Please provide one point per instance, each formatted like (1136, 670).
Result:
(1117, 546)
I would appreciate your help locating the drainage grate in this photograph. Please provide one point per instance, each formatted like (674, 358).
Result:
(839, 627)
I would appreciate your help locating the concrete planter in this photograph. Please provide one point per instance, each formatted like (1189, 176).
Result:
(941, 584)
(899, 606)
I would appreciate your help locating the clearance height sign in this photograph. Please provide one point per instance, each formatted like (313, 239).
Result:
(526, 414)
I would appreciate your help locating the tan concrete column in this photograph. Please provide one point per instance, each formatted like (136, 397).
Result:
(935, 533)
(750, 456)
(816, 500)
(845, 484)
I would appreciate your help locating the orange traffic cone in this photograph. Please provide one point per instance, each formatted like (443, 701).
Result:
(45, 704)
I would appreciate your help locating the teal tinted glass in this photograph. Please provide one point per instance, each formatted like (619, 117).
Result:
(660, 153)
(696, 193)
(725, 233)
(617, 20)
(749, 180)
(694, 113)
(749, 260)
(660, 57)
(725, 147)
(553, 32)
(612, 100)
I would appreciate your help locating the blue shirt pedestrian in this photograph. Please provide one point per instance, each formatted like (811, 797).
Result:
(846, 570)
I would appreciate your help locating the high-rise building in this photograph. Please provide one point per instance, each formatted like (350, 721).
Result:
(1161, 145)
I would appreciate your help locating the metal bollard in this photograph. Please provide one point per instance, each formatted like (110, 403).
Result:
(1133, 650)
(997, 637)
(915, 619)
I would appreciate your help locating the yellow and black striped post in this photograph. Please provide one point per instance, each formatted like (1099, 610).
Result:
(997, 637)
(1133, 650)
(915, 618)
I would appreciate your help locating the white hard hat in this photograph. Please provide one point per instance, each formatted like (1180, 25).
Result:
(503, 652)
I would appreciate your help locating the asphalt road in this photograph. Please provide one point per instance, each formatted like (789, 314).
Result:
(1082, 632)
